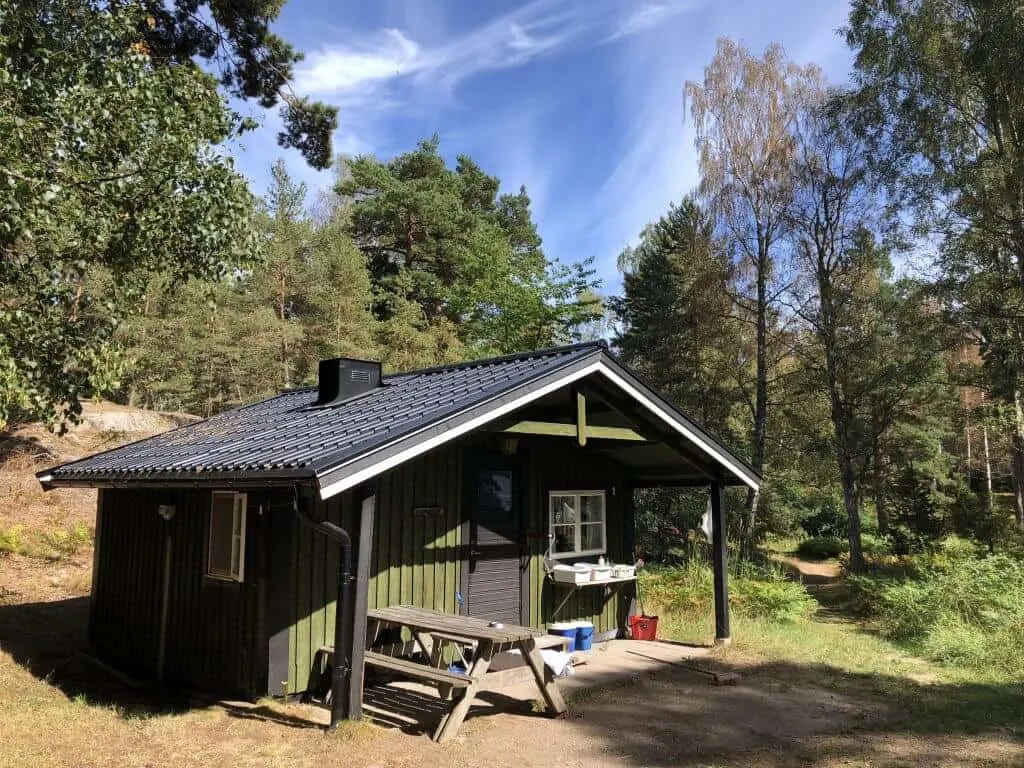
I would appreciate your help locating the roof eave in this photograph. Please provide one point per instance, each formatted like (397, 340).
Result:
(247, 478)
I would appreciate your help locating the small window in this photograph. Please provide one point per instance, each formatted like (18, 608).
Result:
(577, 520)
(227, 536)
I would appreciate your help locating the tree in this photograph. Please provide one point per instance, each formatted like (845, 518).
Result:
(744, 112)
(470, 259)
(108, 166)
(940, 99)
(233, 37)
(677, 327)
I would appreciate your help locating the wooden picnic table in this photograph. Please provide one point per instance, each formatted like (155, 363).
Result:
(427, 626)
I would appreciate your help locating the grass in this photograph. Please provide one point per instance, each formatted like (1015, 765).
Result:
(51, 542)
(837, 651)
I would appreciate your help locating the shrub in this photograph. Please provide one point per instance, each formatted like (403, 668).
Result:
(11, 539)
(754, 591)
(821, 547)
(956, 607)
(875, 547)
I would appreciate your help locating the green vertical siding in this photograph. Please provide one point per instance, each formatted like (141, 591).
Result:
(553, 465)
(417, 548)
(415, 557)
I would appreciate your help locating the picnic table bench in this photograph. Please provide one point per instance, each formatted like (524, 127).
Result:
(428, 627)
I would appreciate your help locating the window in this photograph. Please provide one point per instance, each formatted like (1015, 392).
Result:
(227, 536)
(577, 521)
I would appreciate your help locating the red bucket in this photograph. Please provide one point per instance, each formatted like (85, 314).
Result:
(643, 627)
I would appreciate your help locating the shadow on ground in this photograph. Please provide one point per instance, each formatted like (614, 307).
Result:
(779, 714)
(22, 445)
(49, 639)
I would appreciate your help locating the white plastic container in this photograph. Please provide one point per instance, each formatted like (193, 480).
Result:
(601, 573)
(570, 574)
(623, 571)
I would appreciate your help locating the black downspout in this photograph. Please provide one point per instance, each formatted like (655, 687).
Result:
(342, 609)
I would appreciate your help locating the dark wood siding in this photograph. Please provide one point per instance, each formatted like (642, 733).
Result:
(216, 636)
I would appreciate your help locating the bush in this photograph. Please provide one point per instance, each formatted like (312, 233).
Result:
(822, 548)
(11, 539)
(754, 591)
(875, 547)
(956, 607)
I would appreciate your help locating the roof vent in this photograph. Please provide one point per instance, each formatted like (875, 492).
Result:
(343, 377)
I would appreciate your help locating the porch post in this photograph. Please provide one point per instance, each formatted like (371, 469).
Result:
(362, 585)
(720, 565)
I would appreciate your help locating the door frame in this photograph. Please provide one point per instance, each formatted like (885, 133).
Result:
(475, 460)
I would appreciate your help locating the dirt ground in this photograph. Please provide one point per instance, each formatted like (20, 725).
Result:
(57, 709)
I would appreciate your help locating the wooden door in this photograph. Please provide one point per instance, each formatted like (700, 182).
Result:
(493, 584)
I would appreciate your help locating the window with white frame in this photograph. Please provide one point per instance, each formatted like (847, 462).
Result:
(226, 553)
(577, 520)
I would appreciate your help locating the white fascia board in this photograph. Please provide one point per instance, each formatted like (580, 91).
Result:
(598, 366)
(413, 451)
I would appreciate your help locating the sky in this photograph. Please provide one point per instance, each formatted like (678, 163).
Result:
(578, 100)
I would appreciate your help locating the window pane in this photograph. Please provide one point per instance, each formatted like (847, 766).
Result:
(222, 523)
(494, 490)
(565, 539)
(563, 510)
(592, 508)
(592, 536)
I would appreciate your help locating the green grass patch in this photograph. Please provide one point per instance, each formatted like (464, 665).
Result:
(941, 693)
(754, 591)
(54, 542)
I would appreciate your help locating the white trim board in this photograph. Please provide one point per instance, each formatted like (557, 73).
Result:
(599, 366)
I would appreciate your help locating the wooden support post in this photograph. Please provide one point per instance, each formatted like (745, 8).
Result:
(581, 418)
(720, 564)
(360, 604)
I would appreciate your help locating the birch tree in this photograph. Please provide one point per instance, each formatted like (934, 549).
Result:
(744, 112)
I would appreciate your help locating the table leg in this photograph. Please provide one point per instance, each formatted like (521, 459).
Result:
(451, 722)
(372, 630)
(548, 687)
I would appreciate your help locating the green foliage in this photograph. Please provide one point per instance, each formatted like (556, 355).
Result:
(822, 547)
(108, 165)
(754, 591)
(233, 37)
(953, 606)
(675, 313)
(447, 251)
(12, 539)
(53, 542)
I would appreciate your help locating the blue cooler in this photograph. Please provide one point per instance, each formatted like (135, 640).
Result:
(566, 629)
(584, 635)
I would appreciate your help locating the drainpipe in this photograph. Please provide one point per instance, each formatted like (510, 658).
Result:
(342, 673)
(342, 608)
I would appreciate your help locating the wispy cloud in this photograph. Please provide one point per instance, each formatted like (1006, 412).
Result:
(541, 28)
(649, 16)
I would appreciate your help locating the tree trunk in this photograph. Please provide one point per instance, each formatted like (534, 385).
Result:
(878, 488)
(760, 399)
(1017, 456)
(849, 481)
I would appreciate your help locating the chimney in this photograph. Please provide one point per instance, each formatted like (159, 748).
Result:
(343, 377)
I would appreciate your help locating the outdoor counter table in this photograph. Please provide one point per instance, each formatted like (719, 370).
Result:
(424, 624)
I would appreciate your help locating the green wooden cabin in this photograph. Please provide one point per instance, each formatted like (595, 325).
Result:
(459, 486)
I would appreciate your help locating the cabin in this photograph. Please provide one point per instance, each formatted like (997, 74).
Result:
(230, 550)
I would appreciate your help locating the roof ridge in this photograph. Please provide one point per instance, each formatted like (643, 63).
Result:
(549, 351)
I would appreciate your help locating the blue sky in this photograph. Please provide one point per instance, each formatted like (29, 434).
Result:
(580, 100)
